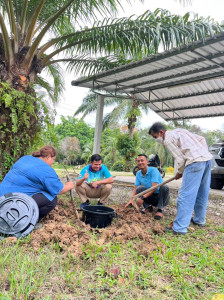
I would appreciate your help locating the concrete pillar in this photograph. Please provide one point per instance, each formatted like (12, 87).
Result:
(98, 124)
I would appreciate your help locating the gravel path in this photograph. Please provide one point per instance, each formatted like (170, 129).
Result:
(123, 186)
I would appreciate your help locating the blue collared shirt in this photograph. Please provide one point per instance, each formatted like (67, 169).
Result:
(152, 175)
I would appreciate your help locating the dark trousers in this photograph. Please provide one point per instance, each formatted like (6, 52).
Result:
(159, 200)
(44, 204)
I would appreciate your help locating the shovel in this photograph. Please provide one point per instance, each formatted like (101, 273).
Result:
(73, 201)
(153, 188)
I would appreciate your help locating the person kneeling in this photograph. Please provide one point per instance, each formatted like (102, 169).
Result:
(34, 176)
(94, 181)
(146, 178)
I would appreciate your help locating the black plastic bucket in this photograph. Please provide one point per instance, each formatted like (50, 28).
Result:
(98, 215)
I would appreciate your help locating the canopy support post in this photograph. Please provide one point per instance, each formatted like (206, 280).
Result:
(98, 124)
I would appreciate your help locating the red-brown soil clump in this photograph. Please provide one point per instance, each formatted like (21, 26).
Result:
(61, 226)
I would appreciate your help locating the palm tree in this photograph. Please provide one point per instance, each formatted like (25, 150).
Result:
(124, 109)
(25, 52)
(40, 35)
(87, 152)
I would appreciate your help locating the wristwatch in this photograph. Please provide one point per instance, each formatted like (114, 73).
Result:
(142, 197)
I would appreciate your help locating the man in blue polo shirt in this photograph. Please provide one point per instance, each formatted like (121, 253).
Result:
(94, 181)
(146, 178)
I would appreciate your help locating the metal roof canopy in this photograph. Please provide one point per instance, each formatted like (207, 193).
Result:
(182, 83)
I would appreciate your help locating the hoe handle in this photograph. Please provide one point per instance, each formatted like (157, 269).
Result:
(73, 201)
(153, 188)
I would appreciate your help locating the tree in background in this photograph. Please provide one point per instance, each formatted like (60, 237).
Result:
(125, 109)
(87, 153)
(127, 148)
(214, 136)
(109, 147)
(69, 150)
(117, 149)
(73, 127)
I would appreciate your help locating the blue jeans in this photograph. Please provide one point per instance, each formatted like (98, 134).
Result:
(193, 195)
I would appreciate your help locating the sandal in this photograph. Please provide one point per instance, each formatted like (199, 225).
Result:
(158, 215)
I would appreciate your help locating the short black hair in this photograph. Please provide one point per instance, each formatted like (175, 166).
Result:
(143, 155)
(95, 157)
(156, 127)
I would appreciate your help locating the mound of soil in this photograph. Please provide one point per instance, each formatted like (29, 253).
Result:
(71, 234)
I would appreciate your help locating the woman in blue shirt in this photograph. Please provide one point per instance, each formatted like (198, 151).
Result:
(34, 176)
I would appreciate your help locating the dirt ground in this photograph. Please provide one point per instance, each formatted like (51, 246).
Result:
(62, 227)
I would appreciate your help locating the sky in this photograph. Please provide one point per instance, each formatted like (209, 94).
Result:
(73, 96)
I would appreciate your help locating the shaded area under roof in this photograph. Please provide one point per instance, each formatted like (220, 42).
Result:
(183, 83)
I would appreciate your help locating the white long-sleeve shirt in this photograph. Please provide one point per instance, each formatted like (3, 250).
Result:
(186, 147)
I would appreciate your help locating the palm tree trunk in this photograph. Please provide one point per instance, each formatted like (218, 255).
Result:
(132, 118)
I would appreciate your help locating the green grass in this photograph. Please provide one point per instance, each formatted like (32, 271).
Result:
(182, 267)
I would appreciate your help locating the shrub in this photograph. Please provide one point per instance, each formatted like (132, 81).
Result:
(118, 166)
(170, 170)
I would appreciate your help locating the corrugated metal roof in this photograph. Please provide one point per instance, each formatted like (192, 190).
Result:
(183, 83)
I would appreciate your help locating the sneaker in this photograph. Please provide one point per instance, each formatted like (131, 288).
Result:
(99, 203)
(84, 204)
(198, 224)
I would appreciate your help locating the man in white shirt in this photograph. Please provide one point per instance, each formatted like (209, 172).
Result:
(194, 164)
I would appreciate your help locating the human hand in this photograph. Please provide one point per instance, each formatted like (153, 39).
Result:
(129, 203)
(178, 176)
(70, 185)
(86, 175)
(95, 184)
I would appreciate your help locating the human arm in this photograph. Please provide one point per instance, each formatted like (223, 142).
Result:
(130, 202)
(150, 193)
(53, 185)
(201, 140)
(95, 184)
(104, 178)
(67, 187)
(82, 179)
(176, 153)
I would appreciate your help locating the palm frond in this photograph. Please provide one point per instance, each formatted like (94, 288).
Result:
(55, 72)
(88, 105)
(36, 42)
(6, 42)
(13, 26)
(33, 20)
(55, 91)
(130, 36)
(42, 83)
(116, 114)
(85, 65)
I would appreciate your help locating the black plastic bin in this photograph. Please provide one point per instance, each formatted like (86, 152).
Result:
(98, 216)
(19, 214)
